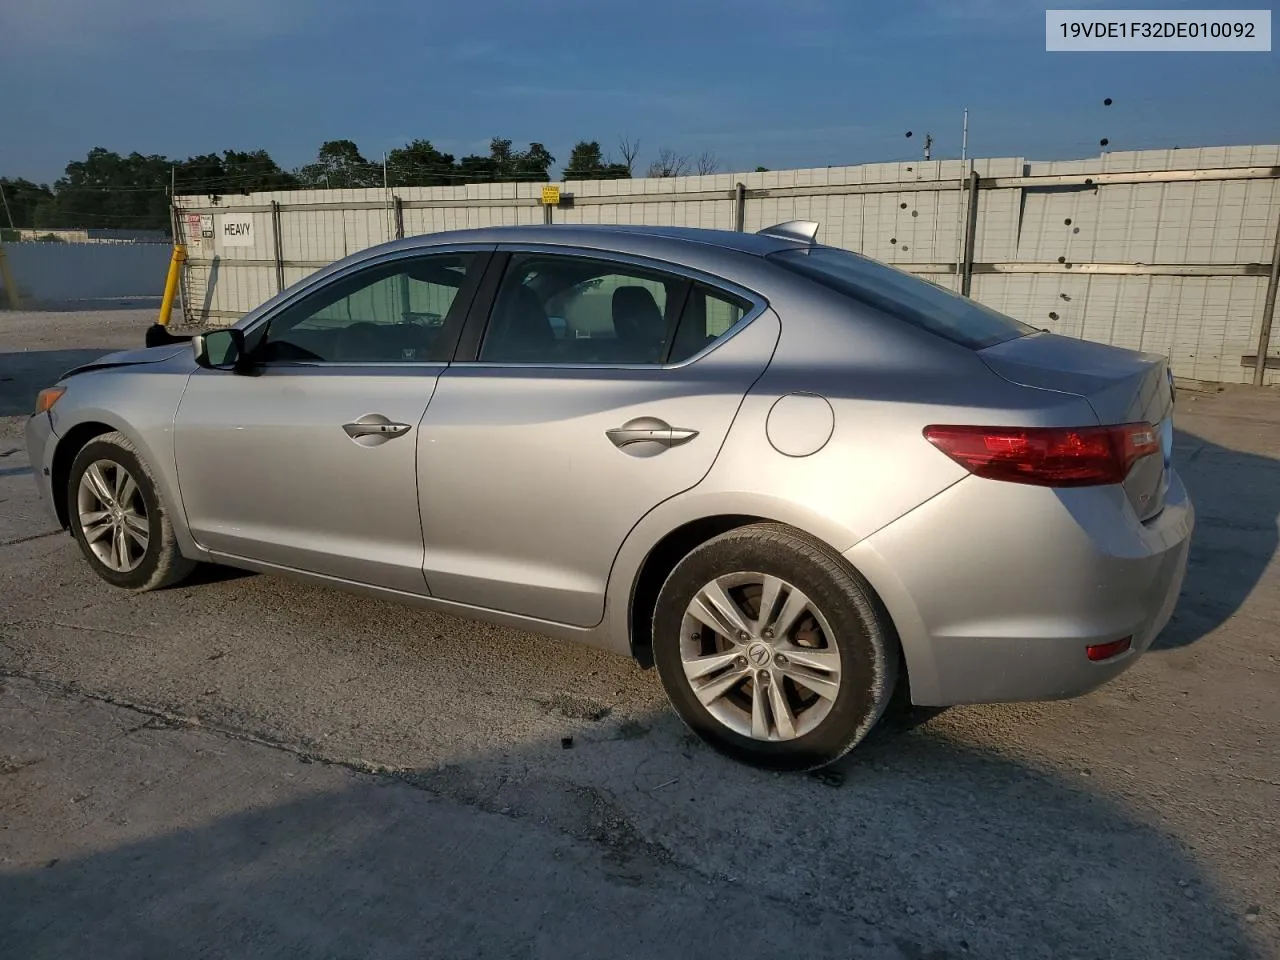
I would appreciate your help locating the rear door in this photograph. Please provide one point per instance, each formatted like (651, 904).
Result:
(594, 388)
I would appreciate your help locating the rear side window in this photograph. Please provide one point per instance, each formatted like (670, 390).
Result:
(563, 310)
(708, 315)
(904, 296)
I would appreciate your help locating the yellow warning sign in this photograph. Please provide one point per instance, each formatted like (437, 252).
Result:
(550, 196)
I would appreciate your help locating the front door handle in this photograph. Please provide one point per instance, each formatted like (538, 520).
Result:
(648, 436)
(373, 429)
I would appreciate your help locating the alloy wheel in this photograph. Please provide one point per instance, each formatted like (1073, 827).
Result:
(113, 515)
(760, 656)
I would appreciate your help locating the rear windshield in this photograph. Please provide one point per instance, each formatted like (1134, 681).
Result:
(904, 296)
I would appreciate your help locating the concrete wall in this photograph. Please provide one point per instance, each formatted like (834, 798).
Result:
(62, 272)
(1166, 251)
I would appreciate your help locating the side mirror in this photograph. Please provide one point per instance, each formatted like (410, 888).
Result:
(220, 349)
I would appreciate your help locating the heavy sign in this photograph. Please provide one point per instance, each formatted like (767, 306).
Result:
(235, 231)
(551, 196)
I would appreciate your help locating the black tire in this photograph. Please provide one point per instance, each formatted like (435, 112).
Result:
(867, 645)
(161, 563)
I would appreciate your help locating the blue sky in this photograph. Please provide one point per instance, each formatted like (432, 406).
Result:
(776, 83)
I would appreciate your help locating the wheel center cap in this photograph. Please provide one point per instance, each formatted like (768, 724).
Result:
(759, 655)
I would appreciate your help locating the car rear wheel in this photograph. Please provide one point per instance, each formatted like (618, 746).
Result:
(118, 519)
(772, 649)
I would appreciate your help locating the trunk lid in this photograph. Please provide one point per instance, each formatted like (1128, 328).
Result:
(1121, 386)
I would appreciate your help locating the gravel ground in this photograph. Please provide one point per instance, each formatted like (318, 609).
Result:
(246, 766)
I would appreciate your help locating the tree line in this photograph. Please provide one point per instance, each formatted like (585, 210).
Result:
(107, 189)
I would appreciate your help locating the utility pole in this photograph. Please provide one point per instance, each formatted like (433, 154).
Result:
(965, 183)
(7, 212)
(173, 202)
(386, 196)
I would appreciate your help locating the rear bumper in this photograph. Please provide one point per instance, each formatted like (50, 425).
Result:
(996, 589)
(40, 446)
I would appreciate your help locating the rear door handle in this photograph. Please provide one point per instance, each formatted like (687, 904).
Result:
(373, 429)
(646, 436)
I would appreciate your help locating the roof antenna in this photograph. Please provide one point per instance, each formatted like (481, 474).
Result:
(803, 230)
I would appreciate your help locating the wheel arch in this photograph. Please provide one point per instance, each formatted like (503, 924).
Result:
(670, 549)
(95, 421)
(657, 566)
(64, 455)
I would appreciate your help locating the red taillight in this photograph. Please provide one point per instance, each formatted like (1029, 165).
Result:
(1047, 456)
(1105, 651)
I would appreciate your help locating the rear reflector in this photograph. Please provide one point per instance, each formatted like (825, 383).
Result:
(1047, 456)
(1105, 651)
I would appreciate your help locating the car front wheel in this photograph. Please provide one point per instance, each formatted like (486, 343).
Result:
(118, 519)
(772, 649)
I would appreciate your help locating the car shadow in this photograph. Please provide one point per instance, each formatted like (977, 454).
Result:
(23, 374)
(1237, 501)
(639, 842)
(207, 574)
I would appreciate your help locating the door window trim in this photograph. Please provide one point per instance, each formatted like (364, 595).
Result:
(450, 334)
(481, 313)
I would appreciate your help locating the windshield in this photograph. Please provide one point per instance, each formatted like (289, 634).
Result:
(904, 296)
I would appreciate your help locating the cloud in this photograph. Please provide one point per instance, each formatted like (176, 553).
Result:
(559, 96)
(40, 25)
(940, 17)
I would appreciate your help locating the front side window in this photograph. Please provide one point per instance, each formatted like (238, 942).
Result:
(391, 313)
(904, 296)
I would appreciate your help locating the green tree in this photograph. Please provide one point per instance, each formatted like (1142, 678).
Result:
(234, 172)
(203, 174)
(506, 164)
(254, 170)
(419, 164)
(108, 190)
(586, 162)
(338, 165)
(534, 163)
(22, 198)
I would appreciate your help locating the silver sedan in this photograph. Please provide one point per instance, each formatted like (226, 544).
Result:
(790, 477)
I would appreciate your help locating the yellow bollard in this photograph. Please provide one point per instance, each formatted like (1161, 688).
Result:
(171, 283)
(10, 285)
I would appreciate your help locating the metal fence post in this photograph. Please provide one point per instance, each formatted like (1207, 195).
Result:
(10, 285)
(970, 235)
(279, 246)
(740, 207)
(175, 227)
(1268, 310)
(398, 207)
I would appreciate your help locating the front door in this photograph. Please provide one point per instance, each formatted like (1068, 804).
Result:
(581, 413)
(310, 463)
